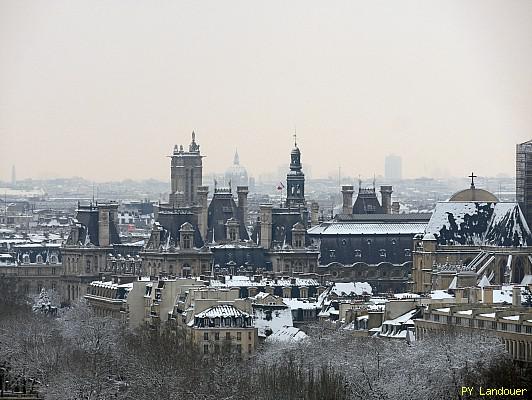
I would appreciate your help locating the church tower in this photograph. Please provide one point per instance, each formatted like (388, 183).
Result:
(186, 174)
(295, 180)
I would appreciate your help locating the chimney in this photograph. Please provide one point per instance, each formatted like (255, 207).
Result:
(516, 296)
(242, 193)
(396, 207)
(202, 193)
(314, 213)
(103, 226)
(347, 199)
(488, 295)
(266, 225)
(386, 196)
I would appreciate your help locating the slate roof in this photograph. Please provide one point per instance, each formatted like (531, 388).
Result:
(222, 208)
(171, 222)
(411, 217)
(474, 223)
(367, 202)
(88, 227)
(283, 220)
(224, 310)
(361, 228)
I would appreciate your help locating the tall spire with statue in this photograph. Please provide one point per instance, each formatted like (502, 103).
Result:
(295, 179)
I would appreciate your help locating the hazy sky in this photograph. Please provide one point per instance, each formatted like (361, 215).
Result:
(104, 89)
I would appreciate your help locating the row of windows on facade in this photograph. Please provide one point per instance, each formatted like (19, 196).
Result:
(227, 336)
(72, 265)
(240, 322)
(38, 271)
(396, 273)
(479, 323)
(53, 259)
(38, 286)
(369, 242)
(358, 253)
(237, 348)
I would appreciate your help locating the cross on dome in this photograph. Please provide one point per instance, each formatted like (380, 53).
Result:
(472, 176)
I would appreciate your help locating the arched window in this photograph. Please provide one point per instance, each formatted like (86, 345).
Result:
(38, 259)
(26, 258)
(519, 271)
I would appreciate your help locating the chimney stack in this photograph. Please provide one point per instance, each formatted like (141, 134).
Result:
(202, 193)
(266, 225)
(314, 211)
(347, 199)
(386, 196)
(242, 192)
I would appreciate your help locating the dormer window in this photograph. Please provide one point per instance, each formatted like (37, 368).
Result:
(358, 253)
(26, 258)
(408, 253)
(332, 254)
(187, 243)
(382, 253)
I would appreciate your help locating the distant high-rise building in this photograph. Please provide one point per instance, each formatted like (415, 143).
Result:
(13, 176)
(523, 186)
(393, 168)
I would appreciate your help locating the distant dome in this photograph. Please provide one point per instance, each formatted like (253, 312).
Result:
(473, 194)
(236, 173)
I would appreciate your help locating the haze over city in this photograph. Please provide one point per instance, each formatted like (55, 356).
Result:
(104, 90)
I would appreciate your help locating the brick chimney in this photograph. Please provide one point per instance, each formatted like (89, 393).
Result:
(347, 199)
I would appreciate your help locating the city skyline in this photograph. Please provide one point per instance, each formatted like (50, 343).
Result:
(445, 85)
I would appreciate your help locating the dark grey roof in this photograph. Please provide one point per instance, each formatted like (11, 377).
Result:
(222, 208)
(378, 218)
(471, 223)
(367, 202)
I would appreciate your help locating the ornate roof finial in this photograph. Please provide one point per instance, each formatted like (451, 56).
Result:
(193, 146)
(295, 136)
(236, 159)
(472, 176)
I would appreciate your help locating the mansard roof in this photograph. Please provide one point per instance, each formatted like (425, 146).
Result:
(477, 224)
(367, 202)
(171, 223)
(222, 208)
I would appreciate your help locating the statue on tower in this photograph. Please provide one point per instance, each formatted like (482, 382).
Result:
(194, 147)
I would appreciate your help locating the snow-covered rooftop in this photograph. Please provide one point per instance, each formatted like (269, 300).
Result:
(361, 228)
(470, 223)
(246, 281)
(223, 310)
(440, 294)
(287, 334)
(348, 289)
(512, 318)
